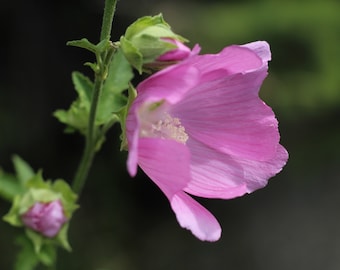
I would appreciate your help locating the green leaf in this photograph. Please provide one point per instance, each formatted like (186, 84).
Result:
(23, 170)
(84, 88)
(132, 93)
(85, 44)
(30, 256)
(112, 100)
(9, 186)
(12, 216)
(26, 258)
(76, 117)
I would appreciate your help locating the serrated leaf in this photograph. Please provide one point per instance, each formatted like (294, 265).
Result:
(84, 88)
(9, 186)
(112, 100)
(23, 170)
(76, 117)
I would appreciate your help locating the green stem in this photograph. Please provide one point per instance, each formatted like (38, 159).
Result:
(90, 146)
(109, 10)
(91, 136)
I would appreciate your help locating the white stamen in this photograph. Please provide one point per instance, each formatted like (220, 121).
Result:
(167, 127)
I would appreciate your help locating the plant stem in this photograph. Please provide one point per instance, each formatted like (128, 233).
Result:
(90, 146)
(109, 10)
(91, 136)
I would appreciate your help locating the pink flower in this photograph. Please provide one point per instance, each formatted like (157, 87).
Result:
(45, 218)
(200, 128)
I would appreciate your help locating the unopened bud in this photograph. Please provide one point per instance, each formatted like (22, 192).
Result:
(181, 51)
(45, 218)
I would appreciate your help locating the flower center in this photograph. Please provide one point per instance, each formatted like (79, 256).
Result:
(167, 127)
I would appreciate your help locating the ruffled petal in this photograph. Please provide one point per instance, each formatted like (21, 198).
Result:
(228, 115)
(214, 174)
(231, 60)
(194, 217)
(217, 175)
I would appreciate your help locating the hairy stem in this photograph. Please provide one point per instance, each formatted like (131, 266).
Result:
(92, 131)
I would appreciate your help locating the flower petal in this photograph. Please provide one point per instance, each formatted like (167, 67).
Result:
(194, 217)
(257, 173)
(231, 60)
(166, 162)
(214, 174)
(228, 115)
(217, 175)
(261, 48)
(170, 84)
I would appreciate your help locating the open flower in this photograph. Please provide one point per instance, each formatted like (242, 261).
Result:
(200, 128)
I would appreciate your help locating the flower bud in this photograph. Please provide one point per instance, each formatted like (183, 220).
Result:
(149, 40)
(45, 218)
(179, 53)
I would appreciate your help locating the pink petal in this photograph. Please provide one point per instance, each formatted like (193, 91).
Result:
(257, 173)
(194, 217)
(166, 162)
(217, 175)
(177, 54)
(170, 84)
(214, 174)
(231, 60)
(261, 48)
(228, 115)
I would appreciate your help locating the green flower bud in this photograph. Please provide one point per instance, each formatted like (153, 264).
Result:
(44, 208)
(147, 39)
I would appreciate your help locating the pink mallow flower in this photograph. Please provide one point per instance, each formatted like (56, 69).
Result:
(200, 128)
(45, 218)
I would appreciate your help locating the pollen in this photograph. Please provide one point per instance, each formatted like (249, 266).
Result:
(167, 127)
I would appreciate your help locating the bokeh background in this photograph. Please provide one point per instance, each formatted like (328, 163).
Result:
(127, 224)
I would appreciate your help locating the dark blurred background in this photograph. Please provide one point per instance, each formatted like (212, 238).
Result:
(127, 224)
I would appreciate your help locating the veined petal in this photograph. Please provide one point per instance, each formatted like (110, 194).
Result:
(169, 84)
(214, 174)
(194, 217)
(257, 173)
(228, 115)
(218, 175)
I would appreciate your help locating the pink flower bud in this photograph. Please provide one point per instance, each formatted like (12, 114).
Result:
(45, 218)
(180, 53)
